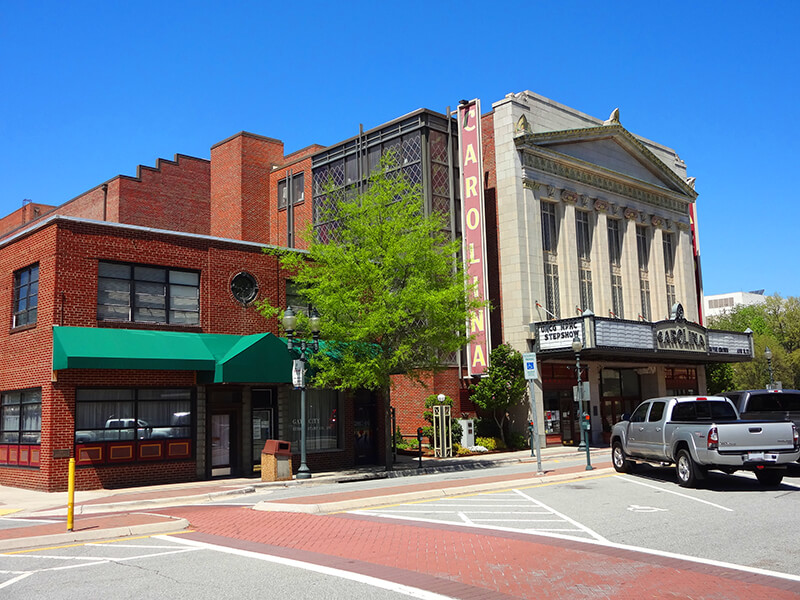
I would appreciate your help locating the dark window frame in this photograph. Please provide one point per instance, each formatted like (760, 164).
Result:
(20, 431)
(25, 280)
(133, 305)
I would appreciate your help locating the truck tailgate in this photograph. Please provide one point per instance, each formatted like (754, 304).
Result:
(755, 435)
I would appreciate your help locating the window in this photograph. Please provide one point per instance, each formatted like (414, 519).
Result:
(244, 288)
(295, 299)
(656, 411)
(640, 413)
(144, 294)
(614, 243)
(549, 228)
(583, 235)
(671, 300)
(587, 297)
(551, 292)
(296, 187)
(644, 292)
(110, 415)
(26, 295)
(21, 417)
(643, 248)
(323, 425)
(669, 253)
(616, 296)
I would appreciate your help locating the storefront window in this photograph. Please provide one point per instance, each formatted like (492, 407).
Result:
(322, 418)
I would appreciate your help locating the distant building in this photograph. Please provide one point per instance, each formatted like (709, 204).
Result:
(719, 304)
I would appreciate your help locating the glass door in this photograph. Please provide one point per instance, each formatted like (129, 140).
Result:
(220, 444)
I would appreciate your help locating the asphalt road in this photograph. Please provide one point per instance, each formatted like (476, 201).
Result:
(733, 519)
(164, 567)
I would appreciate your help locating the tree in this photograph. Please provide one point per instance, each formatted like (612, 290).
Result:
(503, 386)
(775, 323)
(392, 295)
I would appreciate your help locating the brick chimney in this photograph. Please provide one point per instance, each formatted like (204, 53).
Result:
(240, 168)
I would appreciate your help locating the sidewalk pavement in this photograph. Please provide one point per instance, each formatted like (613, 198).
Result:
(31, 519)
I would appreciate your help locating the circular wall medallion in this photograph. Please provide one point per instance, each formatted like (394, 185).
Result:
(244, 287)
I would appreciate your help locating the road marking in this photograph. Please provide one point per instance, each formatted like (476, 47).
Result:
(365, 579)
(637, 508)
(14, 580)
(26, 520)
(8, 511)
(661, 489)
(580, 526)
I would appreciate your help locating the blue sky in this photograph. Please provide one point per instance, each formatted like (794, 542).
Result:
(90, 90)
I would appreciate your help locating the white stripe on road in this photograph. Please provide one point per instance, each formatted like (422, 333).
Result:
(365, 579)
(661, 489)
(583, 528)
(14, 580)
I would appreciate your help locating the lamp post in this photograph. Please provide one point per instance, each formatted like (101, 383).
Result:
(303, 354)
(768, 356)
(577, 346)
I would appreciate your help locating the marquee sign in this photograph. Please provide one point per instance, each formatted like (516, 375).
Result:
(559, 334)
(474, 235)
(680, 336)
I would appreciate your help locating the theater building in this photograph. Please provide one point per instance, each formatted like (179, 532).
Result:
(598, 239)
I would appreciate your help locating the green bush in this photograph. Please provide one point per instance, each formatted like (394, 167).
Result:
(487, 442)
(517, 441)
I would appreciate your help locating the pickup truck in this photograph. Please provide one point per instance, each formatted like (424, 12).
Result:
(697, 434)
(767, 405)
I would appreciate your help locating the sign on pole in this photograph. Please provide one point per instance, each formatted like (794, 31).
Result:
(298, 374)
(529, 362)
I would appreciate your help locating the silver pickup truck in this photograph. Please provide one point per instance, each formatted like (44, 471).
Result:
(697, 434)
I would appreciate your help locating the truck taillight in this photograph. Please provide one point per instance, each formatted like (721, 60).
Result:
(713, 439)
(796, 436)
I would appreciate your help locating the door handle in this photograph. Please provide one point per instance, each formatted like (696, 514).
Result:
(658, 428)
(641, 428)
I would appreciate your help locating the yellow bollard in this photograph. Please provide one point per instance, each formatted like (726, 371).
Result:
(71, 495)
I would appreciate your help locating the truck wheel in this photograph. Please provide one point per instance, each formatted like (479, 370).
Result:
(620, 461)
(689, 472)
(769, 477)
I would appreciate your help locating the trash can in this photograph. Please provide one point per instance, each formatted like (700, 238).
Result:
(276, 461)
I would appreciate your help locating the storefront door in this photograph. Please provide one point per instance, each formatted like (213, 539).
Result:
(364, 425)
(221, 437)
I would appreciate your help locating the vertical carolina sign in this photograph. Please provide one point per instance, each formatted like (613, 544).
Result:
(474, 235)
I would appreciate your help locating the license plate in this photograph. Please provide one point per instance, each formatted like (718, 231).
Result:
(762, 457)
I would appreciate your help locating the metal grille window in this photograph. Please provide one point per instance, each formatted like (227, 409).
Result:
(549, 228)
(616, 296)
(21, 417)
(583, 235)
(643, 248)
(587, 297)
(644, 292)
(26, 296)
(669, 253)
(552, 299)
(147, 294)
(614, 242)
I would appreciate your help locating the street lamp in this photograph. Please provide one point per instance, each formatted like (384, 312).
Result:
(302, 354)
(768, 356)
(577, 346)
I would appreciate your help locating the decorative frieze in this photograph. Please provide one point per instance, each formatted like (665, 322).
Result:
(569, 197)
(596, 180)
(631, 214)
(601, 205)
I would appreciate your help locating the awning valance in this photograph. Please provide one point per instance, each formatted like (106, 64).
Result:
(217, 358)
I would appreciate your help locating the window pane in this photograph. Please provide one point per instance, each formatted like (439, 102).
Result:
(150, 295)
(150, 315)
(298, 188)
(184, 277)
(183, 317)
(149, 274)
(282, 195)
(105, 269)
(113, 313)
(9, 418)
(322, 412)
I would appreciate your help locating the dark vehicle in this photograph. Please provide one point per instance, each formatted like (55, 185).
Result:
(767, 405)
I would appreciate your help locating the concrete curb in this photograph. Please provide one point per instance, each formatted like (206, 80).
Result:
(58, 539)
(399, 498)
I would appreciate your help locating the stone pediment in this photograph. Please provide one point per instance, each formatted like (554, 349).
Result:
(610, 149)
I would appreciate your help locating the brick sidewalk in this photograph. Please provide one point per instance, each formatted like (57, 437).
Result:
(462, 563)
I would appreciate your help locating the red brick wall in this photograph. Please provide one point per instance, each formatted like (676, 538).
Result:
(302, 212)
(240, 186)
(29, 212)
(408, 397)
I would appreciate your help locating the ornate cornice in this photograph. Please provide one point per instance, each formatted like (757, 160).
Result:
(534, 158)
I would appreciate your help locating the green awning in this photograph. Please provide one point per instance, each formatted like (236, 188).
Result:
(217, 358)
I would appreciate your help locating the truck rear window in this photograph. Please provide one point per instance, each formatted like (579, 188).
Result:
(703, 411)
(774, 402)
